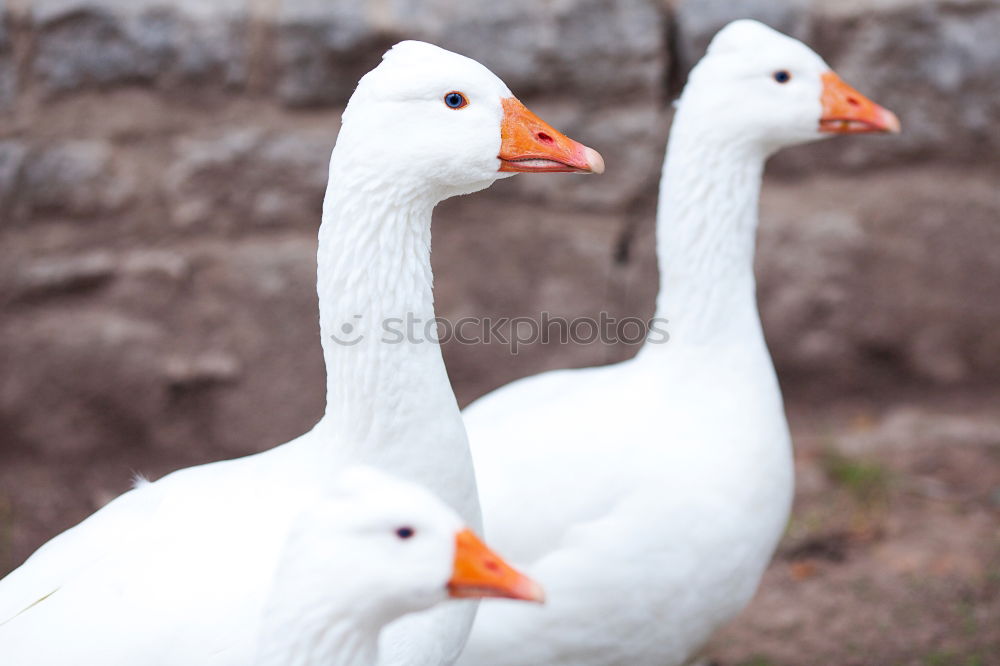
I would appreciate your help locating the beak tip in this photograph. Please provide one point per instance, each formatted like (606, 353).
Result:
(594, 160)
(892, 124)
(536, 593)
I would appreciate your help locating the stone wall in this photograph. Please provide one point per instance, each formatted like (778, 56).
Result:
(162, 166)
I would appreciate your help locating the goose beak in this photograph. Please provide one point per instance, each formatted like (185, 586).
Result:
(529, 144)
(846, 111)
(479, 572)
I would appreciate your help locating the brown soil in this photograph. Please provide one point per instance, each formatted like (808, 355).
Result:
(892, 556)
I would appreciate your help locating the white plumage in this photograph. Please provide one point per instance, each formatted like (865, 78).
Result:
(328, 573)
(342, 572)
(648, 496)
(351, 563)
(154, 577)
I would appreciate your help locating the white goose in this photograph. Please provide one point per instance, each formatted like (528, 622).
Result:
(423, 126)
(377, 550)
(647, 497)
(346, 564)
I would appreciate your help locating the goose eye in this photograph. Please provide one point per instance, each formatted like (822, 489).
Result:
(456, 100)
(405, 532)
(782, 76)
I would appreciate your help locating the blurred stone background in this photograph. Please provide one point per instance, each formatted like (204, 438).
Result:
(162, 167)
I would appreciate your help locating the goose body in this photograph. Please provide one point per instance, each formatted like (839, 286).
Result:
(648, 496)
(151, 597)
(333, 576)
(423, 126)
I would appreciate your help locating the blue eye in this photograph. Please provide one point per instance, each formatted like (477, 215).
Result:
(782, 76)
(455, 100)
(405, 532)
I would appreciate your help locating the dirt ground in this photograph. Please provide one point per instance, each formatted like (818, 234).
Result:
(892, 557)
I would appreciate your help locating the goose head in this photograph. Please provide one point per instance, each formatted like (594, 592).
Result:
(381, 548)
(436, 123)
(758, 86)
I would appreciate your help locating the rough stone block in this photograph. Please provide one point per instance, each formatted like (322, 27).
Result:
(862, 283)
(581, 47)
(105, 355)
(101, 43)
(247, 177)
(76, 178)
(8, 68)
(54, 276)
(4, 29)
(697, 21)
(322, 47)
(12, 155)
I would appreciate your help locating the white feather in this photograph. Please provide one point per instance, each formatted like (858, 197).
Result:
(171, 572)
(648, 496)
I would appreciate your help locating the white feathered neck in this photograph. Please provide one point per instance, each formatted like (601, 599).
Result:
(389, 402)
(374, 271)
(706, 228)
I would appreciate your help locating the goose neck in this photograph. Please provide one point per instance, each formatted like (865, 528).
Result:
(374, 281)
(706, 227)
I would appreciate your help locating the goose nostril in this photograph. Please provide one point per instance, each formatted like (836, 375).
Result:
(545, 138)
(492, 565)
(853, 101)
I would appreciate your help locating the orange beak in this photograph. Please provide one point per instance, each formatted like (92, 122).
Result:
(846, 111)
(529, 144)
(479, 572)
